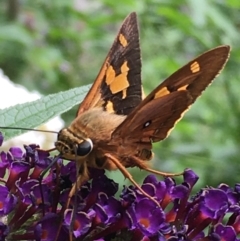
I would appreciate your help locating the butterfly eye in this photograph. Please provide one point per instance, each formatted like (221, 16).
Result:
(84, 148)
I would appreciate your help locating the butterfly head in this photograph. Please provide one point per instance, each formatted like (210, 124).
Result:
(73, 147)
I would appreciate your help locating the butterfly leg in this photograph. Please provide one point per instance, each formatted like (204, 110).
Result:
(139, 163)
(127, 175)
(41, 176)
(164, 174)
(48, 150)
(82, 176)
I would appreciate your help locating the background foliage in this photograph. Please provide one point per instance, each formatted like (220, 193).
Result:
(56, 45)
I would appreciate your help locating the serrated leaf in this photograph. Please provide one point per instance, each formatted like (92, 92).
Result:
(33, 114)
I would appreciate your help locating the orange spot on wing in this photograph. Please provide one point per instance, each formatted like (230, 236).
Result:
(109, 107)
(124, 93)
(195, 67)
(110, 75)
(123, 40)
(183, 87)
(120, 82)
(161, 92)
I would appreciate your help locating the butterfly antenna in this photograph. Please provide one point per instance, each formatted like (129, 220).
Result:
(26, 129)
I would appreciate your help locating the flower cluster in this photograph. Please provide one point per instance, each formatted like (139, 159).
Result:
(32, 206)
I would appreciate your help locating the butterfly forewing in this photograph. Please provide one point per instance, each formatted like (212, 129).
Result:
(153, 119)
(118, 87)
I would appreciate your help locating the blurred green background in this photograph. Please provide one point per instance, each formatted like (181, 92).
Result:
(56, 45)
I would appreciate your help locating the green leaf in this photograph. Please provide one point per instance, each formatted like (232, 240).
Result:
(13, 32)
(35, 113)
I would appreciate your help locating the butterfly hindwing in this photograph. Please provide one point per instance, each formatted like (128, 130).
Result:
(118, 87)
(154, 118)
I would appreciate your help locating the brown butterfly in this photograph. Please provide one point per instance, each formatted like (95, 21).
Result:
(114, 127)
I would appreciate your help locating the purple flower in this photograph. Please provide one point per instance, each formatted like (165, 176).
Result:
(7, 201)
(108, 209)
(82, 222)
(1, 139)
(47, 228)
(4, 231)
(224, 232)
(147, 217)
(33, 206)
